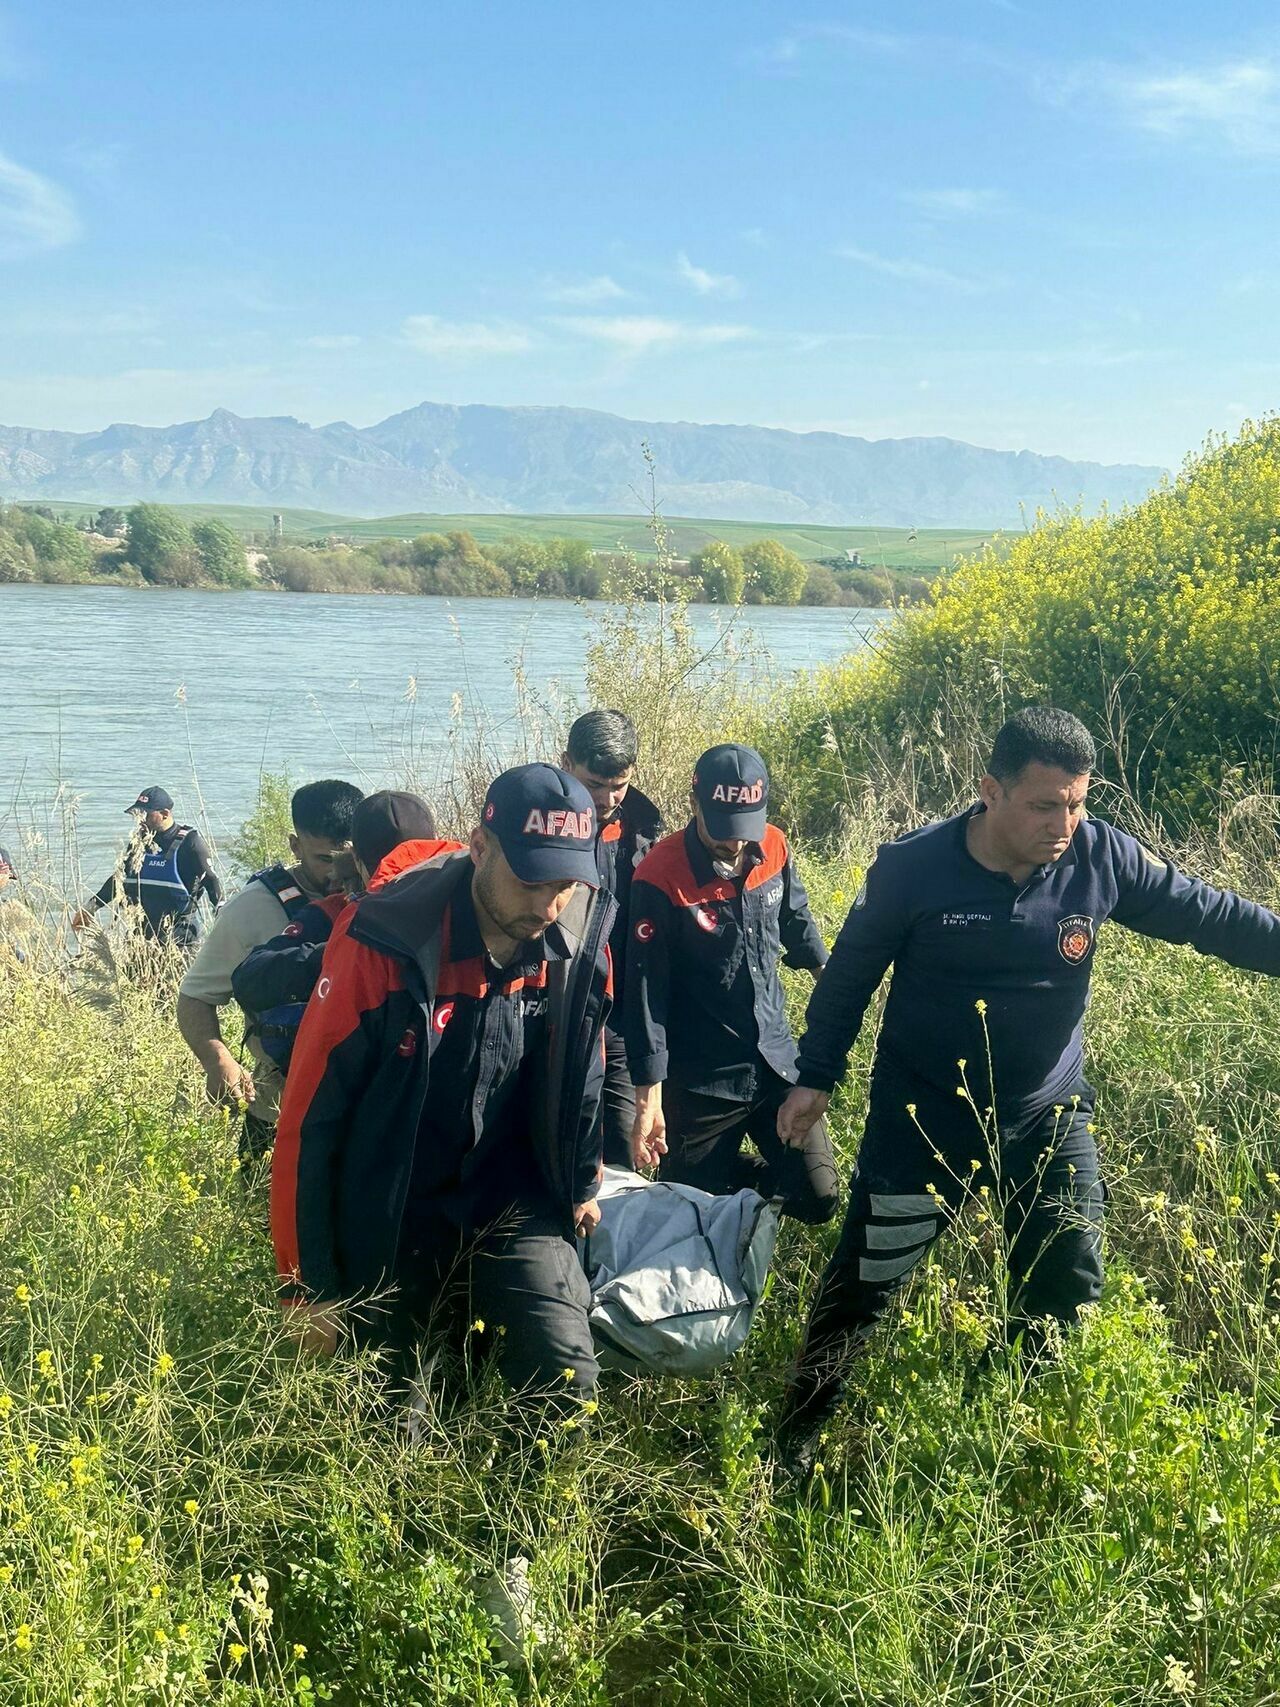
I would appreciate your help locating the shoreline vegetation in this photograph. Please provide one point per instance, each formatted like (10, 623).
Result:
(191, 1512)
(166, 546)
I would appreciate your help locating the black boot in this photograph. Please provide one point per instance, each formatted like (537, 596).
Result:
(810, 1401)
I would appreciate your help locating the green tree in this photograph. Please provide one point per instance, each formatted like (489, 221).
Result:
(110, 522)
(221, 554)
(161, 546)
(821, 586)
(776, 575)
(721, 570)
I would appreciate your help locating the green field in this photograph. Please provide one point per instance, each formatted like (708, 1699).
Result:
(895, 548)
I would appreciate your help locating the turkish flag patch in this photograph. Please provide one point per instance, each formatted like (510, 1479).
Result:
(644, 930)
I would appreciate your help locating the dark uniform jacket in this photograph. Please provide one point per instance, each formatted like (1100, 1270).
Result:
(357, 1085)
(620, 846)
(958, 935)
(704, 1004)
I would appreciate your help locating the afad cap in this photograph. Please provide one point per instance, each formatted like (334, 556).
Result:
(731, 785)
(152, 799)
(545, 824)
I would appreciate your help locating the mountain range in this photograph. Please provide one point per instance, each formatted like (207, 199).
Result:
(478, 458)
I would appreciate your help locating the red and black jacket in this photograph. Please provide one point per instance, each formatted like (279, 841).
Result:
(621, 844)
(353, 1101)
(704, 1003)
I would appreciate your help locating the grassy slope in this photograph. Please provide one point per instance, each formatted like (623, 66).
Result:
(192, 1514)
(933, 548)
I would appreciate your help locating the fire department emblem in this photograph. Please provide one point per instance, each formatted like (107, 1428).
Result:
(1075, 937)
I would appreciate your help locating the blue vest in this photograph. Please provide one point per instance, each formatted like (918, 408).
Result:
(156, 887)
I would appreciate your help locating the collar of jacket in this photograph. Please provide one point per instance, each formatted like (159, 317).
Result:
(700, 860)
(640, 815)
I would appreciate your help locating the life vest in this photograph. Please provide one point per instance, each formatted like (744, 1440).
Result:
(277, 1028)
(154, 885)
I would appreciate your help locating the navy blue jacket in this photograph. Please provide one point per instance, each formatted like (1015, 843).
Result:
(621, 843)
(704, 1005)
(958, 935)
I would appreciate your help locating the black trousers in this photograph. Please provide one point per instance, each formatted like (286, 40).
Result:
(704, 1148)
(520, 1277)
(922, 1157)
(618, 1103)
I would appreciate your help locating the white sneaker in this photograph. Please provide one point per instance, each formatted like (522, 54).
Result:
(508, 1598)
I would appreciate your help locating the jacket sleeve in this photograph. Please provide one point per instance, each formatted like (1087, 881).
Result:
(1158, 900)
(285, 969)
(801, 938)
(869, 940)
(586, 1180)
(334, 1060)
(646, 991)
(195, 869)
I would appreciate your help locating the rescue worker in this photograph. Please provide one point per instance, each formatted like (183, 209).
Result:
(163, 873)
(990, 922)
(601, 753)
(320, 843)
(441, 1109)
(713, 908)
(390, 832)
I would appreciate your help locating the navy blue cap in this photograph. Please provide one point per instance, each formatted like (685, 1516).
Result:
(731, 785)
(152, 799)
(545, 824)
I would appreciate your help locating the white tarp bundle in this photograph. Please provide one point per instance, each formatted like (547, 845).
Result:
(675, 1273)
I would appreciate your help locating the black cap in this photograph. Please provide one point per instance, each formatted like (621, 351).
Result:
(545, 824)
(383, 820)
(7, 867)
(152, 799)
(731, 785)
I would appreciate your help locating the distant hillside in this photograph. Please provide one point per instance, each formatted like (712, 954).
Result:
(479, 459)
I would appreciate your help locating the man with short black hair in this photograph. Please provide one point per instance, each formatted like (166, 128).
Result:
(601, 754)
(320, 843)
(713, 909)
(989, 921)
(162, 874)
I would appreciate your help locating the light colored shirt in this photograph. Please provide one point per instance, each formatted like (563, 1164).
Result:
(243, 923)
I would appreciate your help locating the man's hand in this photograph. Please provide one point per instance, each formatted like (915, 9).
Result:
(226, 1079)
(81, 919)
(586, 1217)
(649, 1131)
(802, 1111)
(314, 1326)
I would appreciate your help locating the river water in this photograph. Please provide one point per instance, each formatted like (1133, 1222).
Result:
(106, 690)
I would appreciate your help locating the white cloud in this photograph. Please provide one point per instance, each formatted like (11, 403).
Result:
(587, 292)
(811, 44)
(954, 204)
(705, 283)
(1235, 105)
(437, 337)
(636, 334)
(35, 213)
(911, 272)
(332, 341)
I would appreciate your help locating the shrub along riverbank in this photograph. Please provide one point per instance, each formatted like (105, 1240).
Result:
(155, 545)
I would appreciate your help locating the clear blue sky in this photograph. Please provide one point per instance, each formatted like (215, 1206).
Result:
(1016, 222)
